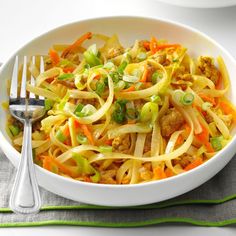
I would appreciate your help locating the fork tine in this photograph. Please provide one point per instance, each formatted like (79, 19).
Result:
(24, 78)
(32, 82)
(14, 80)
(41, 71)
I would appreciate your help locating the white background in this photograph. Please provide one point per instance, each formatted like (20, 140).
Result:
(20, 21)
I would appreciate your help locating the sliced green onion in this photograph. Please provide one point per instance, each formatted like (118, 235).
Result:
(177, 96)
(82, 139)
(93, 49)
(79, 108)
(115, 76)
(88, 110)
(66, 76)
(149, 112)
(109, 65)
(130, 78)
(64, 101)
(155, 98)
(119, 114)
(91, 59)
(100, 87)
(60, 136)
(96, 177)
(216, 143)
(206, 105)
(122, 67)
(142, 56)
(154, 77)
(48, 103)
(187, 99)
(175, 60)
(87, 66)
(15, 130)
(119, 86)
(138, 85)
(106, 148)
(137, 73)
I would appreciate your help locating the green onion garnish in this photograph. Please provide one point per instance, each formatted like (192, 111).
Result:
(91, 59)
(82, 139)
(149, 112)
(60, 136)
(15, 130)
(142, 56)
(48, 103)
(122, 67)
(66, 76)
(154, 77)
(216, 143)
(187, 99)
(206, 105)
(106, 148)
(155, 98)
(100, 87)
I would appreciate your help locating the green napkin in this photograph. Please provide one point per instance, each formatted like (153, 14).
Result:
(212, 204)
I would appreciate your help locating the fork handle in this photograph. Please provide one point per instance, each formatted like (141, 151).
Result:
(25, 196)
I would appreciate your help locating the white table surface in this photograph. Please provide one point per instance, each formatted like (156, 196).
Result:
(20, 21)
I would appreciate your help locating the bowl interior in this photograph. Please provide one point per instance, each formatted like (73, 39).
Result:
(128, 29)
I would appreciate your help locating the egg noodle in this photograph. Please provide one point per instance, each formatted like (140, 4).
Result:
(120, 115)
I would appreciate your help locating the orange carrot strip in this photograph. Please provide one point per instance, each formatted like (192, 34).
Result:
(180, 140)
(108, 142)
(159, 173)
(169, 172)
(207, 98)
(194, 164)
(219, 82)
(47, 163)
(209, 147)
(146, 45)
(153, 45)
(145, 74)
(130, 89)
(203, 137)
(68, 69)
(228, 109)
(66, 130)
(76, 44)
(54, 57)
(164, 46)
(87, 133)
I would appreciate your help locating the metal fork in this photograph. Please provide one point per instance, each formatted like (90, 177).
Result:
(25, 196)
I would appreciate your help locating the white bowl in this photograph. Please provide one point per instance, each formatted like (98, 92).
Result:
(201, 3)
(128, 29)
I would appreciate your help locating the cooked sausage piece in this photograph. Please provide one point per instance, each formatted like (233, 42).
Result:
(171, 122)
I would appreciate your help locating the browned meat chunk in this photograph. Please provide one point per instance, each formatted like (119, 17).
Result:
(184, 160)
(171, 122)
(206, 67)
(114, 52)
(121, 144)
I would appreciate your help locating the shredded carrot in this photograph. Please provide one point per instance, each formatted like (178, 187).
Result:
(145, 75)
(68, 69)
(153, 45)
(54, 57)
(76, 44)
(169, 172)
(204, 113)
(180, 140)
(209, 147)
(219, 82)
(203, 137)
(108, 142)
(97, 77)
(130, 89)
(76, 123)
(187, 128)
(146, 45)
(87, 133)
(194, 164)
(164, 46)
(47, 163)
(86, 178)
(207, 98)
(228, 109)
(66, 130)
(159, 173)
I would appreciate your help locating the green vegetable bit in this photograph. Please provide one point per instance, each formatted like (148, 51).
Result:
(48, 104)
(14, 129)
(155, 98)
(119, 114)
(155, 77)
(187, 99)
(216, 143)
(82, 139)
(149, 112)
(66, 76)
(142, 56)
(60, 136)
(122, 67)
(100, 87)
(91, 59)
(106, 148)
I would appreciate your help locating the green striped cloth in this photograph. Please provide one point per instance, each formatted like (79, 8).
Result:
(212, 204)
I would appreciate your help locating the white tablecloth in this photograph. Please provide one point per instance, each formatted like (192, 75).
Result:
(20, 21)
